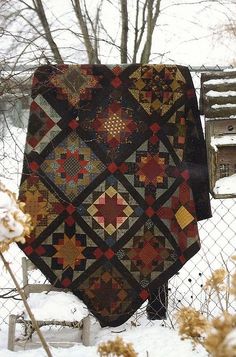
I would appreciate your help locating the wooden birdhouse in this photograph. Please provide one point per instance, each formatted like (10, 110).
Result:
(218, 105)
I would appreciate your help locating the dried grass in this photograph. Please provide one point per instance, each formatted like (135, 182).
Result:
(217, 335)
(117, 348)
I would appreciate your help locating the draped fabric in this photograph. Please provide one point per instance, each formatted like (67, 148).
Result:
(115, 179)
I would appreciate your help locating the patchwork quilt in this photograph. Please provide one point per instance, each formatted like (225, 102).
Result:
(115, 179)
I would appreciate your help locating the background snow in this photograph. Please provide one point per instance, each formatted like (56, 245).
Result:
(226, 185)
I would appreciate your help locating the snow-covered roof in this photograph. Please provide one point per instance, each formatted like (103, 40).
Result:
(213, 93)
(220, 81)
(218, 95)
(223, 141)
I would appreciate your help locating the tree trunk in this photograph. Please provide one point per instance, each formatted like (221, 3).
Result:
(42, 17)
(124, 32)
(139, 31)
(91, 52)
(151, 23)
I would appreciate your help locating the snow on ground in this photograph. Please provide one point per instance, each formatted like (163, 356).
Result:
(149, 339)
(58, 306)
(146, 336)
(226, 185)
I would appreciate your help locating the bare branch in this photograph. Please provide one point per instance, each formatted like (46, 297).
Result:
(136, 31)
(140, 31)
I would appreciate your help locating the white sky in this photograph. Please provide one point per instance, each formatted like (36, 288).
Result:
(184, 32)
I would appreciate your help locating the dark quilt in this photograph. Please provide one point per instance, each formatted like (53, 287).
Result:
(115, 179)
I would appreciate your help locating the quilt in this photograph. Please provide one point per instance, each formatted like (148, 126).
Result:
(115, 179)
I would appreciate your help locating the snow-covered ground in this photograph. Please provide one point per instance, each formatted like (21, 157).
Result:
(226, 185)
(149, 339)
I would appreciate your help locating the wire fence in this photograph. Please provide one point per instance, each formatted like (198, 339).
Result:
(217, 234)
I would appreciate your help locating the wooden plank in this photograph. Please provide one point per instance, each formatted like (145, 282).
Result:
(11, 332)
(221, 82)
(221, 87)
(86, 331)
(41, 323)
(206, 76)
(223, 127)
(24, 266)
(219, 112)
(39, 288)
(30, 265)
(210, 100)
(211, 158)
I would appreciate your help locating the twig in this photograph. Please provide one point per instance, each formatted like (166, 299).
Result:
(227, 290)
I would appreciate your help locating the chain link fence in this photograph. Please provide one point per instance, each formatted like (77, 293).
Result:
(218, 237)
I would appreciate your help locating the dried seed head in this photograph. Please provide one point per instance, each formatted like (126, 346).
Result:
(216, 281)
(15, 225)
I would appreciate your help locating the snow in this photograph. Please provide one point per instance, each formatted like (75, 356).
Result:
(12, 218)
(222, 140)
(213, 93)
(221, 118)
(149, 339)
(58, 306)
(221, 106)
(220, 81)
(12, 145)
(226, 185)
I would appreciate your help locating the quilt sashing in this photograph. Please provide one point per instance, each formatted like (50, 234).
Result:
(108, 181)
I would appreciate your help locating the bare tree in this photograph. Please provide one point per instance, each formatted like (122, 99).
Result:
(32, 33)
(36, 33)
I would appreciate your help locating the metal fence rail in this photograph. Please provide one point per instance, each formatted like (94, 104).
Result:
(218, 237)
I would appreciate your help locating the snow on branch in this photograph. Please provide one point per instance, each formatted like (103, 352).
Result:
(14, 223)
